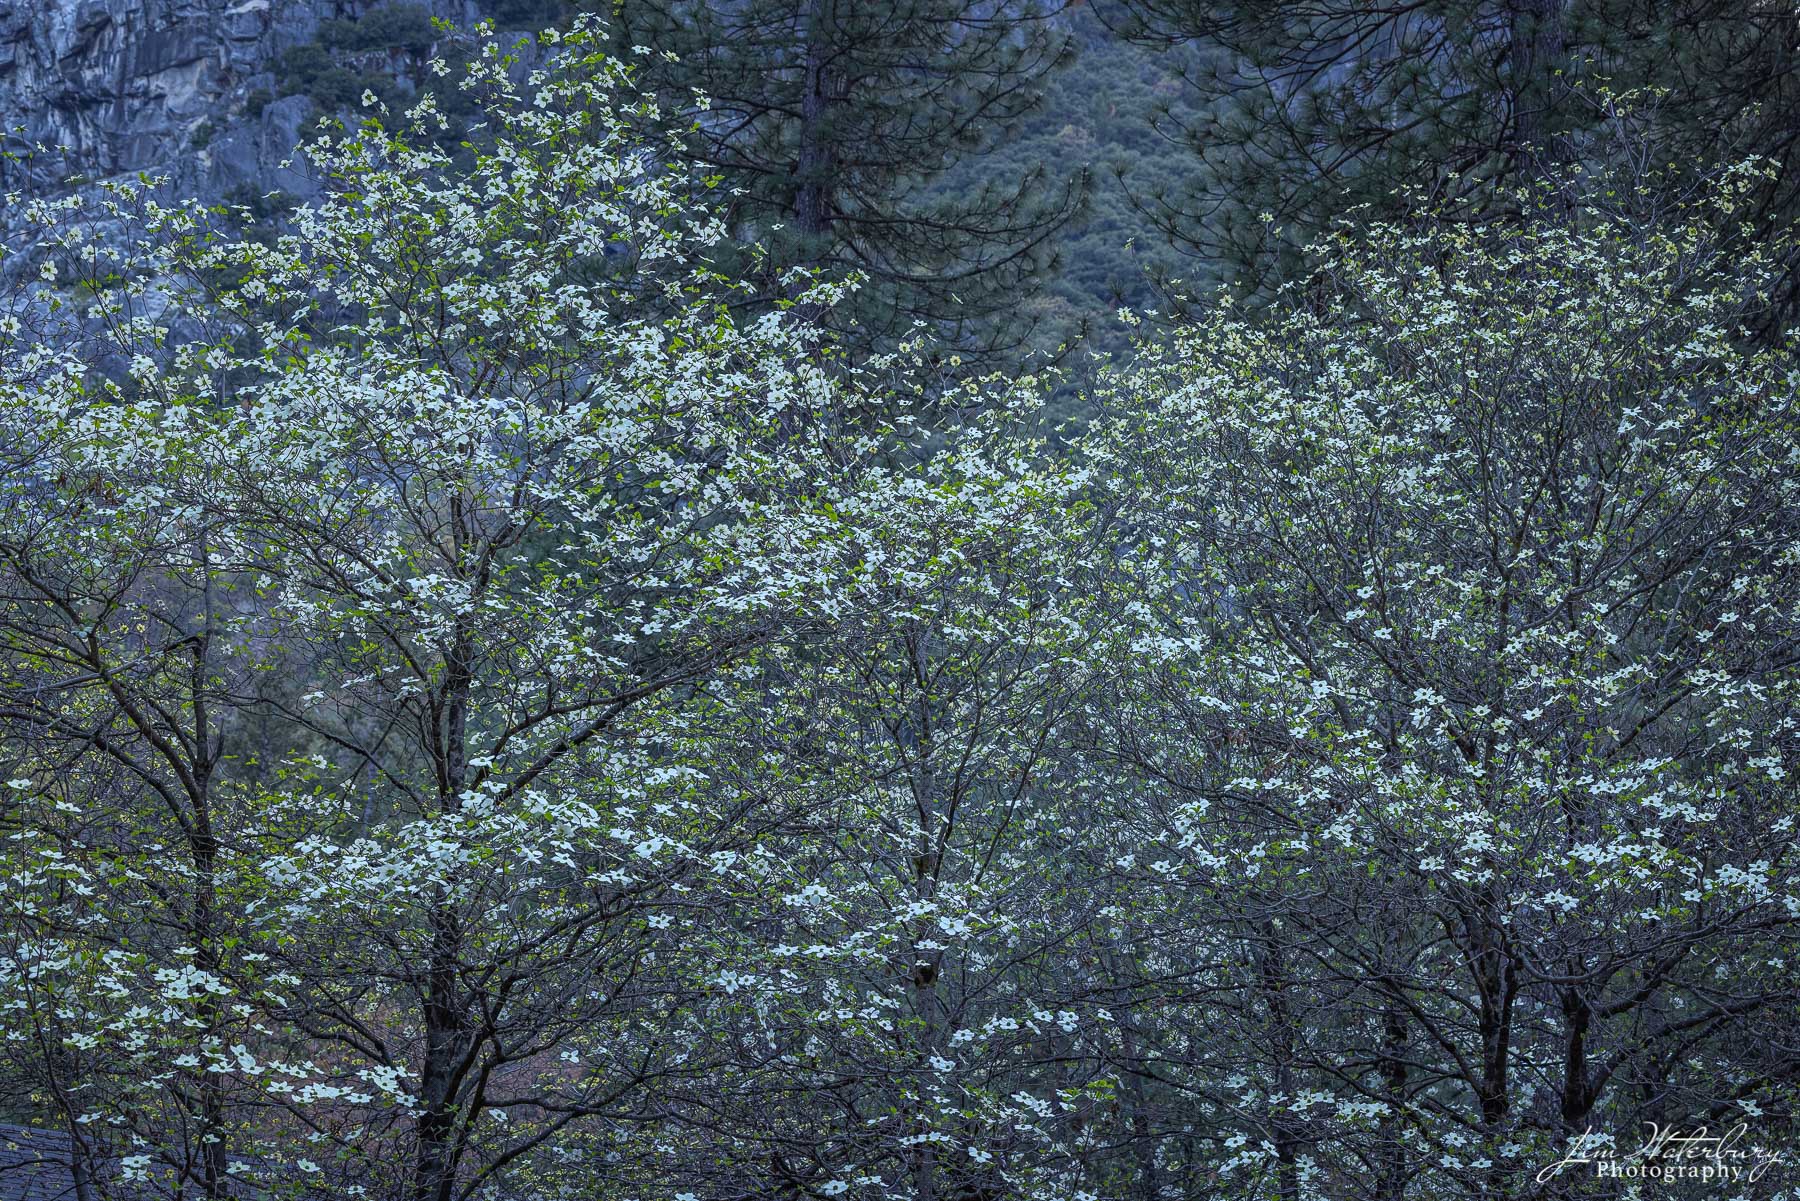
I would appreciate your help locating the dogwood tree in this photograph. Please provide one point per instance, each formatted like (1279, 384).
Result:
(479, 718)
(1473, 712)
(920, 1026)
(126, 647)
(490, 467)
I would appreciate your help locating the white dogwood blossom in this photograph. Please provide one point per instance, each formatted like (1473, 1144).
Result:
(1474, 673)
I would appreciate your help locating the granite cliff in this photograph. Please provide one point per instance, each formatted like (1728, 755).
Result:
(183, 88)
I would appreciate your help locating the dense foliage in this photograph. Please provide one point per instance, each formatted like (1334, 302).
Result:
(1303, 110)
(499, 702)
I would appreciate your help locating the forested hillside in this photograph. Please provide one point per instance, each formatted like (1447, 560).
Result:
(716, 599)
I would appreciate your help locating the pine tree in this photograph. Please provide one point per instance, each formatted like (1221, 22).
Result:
(1306, 111)
(837, 121)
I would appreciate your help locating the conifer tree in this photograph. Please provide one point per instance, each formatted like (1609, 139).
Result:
(1306, 111)
(835, 123)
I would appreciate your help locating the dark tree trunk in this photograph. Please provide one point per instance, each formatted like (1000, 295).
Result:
(815, 161)
(448, 1031)
(1391, 1186)
(1536, 52)
(1272, 969)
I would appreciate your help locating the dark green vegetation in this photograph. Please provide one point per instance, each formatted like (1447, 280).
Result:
(1305, 111)
(524, 698)
(1011, 176)
(381, 53)
(989, 198)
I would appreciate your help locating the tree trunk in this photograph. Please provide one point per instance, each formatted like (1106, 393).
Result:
(1272, 971)
(446, 1044)
(1577, 1093)
(1137, 1101)
(1496, 978)
(214, 1180)
(1536, 53)
(1392, 1137)
(203, 852)
(816, 158)
(448, 1033)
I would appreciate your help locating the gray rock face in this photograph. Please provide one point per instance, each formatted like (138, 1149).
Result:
(110, 87)
(179, 90)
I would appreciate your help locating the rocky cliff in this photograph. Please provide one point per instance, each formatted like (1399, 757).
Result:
(183, 88)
